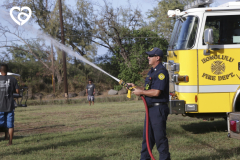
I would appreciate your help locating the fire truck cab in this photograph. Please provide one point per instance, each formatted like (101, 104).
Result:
(203, 60)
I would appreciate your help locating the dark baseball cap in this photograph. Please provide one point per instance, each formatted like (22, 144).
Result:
(90, 80)
(155, 52)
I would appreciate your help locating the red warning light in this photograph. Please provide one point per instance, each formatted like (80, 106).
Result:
(234, 126)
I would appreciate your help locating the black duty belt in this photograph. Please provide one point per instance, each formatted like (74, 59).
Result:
(157, 104)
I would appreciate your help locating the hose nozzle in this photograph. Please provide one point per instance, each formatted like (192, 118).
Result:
(129, 87)
(122, 83)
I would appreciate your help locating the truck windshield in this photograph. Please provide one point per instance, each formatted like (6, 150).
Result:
(184, 33)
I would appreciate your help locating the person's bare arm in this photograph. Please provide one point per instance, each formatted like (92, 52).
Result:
(149, 93)
(17, 91)
(140, 91)
(141, 88)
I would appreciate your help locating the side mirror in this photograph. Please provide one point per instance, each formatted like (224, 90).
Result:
(208, 40)
(208, 36)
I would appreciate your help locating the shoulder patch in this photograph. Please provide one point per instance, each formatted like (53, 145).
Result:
(161, 76)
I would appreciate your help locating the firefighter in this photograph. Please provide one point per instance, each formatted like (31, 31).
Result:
(156, 92)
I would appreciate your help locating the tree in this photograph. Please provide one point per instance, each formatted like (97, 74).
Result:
(138, 42)
(33, 50)
(124, 33)
(161, 23)
(76, 25)
(113, 25)
(46, 15)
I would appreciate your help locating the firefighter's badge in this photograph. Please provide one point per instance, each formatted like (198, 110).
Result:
(161, 76)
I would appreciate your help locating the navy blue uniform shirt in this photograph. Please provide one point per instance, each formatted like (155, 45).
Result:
(160, 81)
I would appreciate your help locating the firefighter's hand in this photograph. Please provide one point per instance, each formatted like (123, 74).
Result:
(137, 91)
(130, 84)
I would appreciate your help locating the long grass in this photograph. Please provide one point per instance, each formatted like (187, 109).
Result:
(79, 100)
(110, 131)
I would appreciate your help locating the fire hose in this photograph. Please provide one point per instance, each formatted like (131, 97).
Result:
(130, 89)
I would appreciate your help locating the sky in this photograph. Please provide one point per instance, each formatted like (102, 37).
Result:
(143, 5)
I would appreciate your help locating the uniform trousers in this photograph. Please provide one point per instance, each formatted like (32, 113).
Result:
(157, 132)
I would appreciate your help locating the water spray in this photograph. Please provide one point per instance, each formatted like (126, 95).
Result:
(46, 37)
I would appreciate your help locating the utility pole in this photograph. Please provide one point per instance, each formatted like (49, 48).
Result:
(63, 53)
(53, 74)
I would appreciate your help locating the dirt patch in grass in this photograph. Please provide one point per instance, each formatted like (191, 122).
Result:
(23, 130)
(44, 126)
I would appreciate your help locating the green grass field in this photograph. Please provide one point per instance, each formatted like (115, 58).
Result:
(110, 131)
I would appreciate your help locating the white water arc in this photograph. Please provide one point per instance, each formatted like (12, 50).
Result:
(44, 36)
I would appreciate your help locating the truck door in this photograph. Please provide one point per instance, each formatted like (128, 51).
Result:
(219, 72)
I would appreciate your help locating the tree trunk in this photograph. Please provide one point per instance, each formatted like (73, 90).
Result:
(59, 78)
(53, 74)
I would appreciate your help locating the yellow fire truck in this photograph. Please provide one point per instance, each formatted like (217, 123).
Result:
(203, 60)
